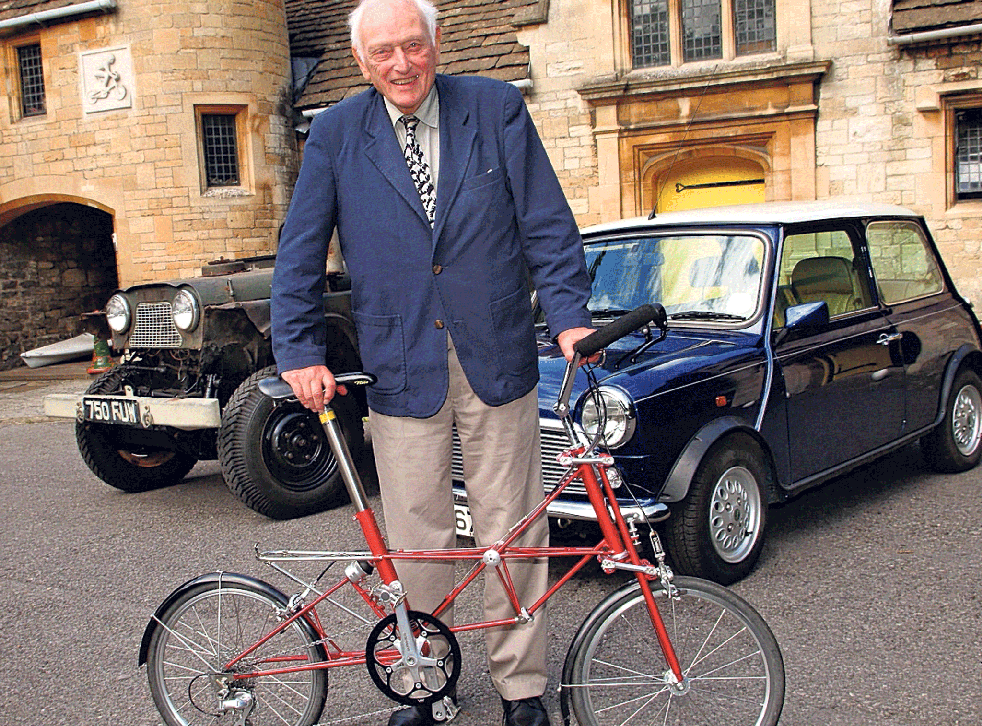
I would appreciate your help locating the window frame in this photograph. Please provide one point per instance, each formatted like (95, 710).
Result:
(676, 49)
(954, 106)
(17, 100)
(240, 114)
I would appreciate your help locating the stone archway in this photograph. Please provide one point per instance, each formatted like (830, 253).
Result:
(56, 262)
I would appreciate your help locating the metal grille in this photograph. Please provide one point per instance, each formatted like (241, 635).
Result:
(554, 442)
(31, 80)
(221, 150)
(649, 33)
(753, 21)
(968, 168)
(702, 35)
(154, 327)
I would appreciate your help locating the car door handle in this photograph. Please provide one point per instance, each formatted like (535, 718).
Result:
(887, 338)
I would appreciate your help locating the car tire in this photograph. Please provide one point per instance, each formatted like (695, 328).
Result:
(123, 466)
(956, 443)
(276, 458)
(717, 531)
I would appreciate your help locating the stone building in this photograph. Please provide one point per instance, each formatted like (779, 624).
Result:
(642, 104)
(140, 139)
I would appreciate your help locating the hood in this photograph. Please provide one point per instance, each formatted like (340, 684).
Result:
(682, 357)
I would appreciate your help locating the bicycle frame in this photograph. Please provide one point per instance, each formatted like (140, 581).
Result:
(617, 550)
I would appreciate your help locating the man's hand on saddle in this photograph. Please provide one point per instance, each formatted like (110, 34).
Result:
(314, 386)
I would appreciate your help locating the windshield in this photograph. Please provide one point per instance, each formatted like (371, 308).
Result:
(695, 276)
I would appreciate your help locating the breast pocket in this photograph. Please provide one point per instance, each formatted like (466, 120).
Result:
(481, 180)
(383, 346)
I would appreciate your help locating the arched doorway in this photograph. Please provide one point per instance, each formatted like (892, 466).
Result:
(56, 262)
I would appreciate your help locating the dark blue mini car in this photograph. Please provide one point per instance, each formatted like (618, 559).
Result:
(804, 339)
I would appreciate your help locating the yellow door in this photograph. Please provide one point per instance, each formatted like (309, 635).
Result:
(710, 182)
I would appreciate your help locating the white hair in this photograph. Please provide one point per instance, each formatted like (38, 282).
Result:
(427, 12)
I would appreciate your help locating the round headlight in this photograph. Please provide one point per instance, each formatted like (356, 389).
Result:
(614, 411)
(118, 313)
(185, 311)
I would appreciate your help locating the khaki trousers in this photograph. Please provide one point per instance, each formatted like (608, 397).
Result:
(500, 446)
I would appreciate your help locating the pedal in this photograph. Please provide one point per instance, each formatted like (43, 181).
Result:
(444, 710)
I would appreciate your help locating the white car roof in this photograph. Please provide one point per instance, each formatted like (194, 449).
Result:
(763, 213)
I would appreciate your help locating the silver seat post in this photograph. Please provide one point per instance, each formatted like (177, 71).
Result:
(335, 437)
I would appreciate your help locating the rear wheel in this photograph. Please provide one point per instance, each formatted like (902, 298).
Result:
(956, 443)
(126, 466)
(208, 626)
(276, 458)
(717, 531)
(733, 671)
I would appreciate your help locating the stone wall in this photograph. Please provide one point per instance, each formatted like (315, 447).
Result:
(136, 154)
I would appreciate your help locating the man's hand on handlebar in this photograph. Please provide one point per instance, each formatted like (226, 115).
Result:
(568, 338)
(314, 387)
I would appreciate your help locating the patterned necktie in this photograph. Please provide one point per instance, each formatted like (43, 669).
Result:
(418, 168)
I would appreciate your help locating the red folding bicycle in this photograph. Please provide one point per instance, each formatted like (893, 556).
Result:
(228, 648)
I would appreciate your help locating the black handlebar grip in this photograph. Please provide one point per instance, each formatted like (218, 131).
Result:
(601, 338)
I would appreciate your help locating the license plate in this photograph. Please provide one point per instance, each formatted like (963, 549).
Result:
(462, 520)
(114, 410)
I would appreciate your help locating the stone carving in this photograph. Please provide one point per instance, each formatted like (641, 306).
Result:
(106, 79)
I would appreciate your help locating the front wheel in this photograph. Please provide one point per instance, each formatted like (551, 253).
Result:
(717, 531)
(733, 671)
(127, 466)
(276, 458)
(956, 443)
(202, 631)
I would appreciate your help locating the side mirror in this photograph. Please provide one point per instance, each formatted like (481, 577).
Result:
(806, 316)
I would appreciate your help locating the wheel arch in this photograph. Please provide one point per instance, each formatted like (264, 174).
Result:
(966, 355)
(230, 578)
(680, 477)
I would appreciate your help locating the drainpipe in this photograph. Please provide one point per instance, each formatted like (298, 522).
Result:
(931, 35)
(43, 16)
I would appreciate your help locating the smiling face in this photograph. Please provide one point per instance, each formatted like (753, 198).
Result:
(396, 53)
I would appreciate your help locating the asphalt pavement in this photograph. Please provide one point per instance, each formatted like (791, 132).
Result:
(22, 390)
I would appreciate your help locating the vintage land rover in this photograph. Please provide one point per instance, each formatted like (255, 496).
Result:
(191, 354)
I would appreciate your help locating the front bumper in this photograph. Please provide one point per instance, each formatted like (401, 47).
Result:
(188, 414)
(583, 511)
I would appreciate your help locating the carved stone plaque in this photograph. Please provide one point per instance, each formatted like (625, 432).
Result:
(107, 79)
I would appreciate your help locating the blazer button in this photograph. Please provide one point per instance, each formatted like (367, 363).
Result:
(438, 324)
(437, 269)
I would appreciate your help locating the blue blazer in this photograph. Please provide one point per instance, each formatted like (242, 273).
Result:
(500, 212)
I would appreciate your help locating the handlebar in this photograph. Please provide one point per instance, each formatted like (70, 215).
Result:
(602, 337)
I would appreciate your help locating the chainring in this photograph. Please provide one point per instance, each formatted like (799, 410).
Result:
(439, 666)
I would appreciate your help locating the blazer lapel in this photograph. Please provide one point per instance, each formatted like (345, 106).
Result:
(382, 149)
(458, 132)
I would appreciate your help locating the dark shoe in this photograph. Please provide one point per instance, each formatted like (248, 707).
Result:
(412, 716)
(525, 712)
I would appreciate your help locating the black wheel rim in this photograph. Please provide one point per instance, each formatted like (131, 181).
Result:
(295, 449)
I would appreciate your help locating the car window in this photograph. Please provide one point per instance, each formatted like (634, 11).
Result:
(903, 263)
(700, 276)
(817, 266)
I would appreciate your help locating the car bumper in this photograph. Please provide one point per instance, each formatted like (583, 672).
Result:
(584, 512)
(188, 414)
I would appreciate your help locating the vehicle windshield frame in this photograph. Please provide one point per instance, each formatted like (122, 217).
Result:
(754, 234)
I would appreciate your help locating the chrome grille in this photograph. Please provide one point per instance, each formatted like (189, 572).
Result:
(154, 327)
(554, 442)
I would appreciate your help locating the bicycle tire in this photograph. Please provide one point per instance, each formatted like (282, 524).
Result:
(733, 668)
(205, 627)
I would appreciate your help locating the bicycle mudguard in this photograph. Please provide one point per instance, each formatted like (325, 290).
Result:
(230, 578)
(577, 641)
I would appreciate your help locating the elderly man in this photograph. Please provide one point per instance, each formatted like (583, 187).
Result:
(444, 201)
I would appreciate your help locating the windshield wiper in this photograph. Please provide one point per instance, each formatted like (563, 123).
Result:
(609, 312)
(705, 315)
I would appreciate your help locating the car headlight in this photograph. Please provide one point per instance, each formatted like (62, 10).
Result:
(186, 311)
(118, 313)
(614, 411)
